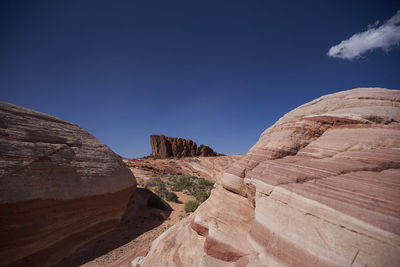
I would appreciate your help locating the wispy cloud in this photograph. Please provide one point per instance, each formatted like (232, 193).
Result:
(385, 37)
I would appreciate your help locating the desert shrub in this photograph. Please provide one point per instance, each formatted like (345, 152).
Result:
(202, 195)
(141, 182)
(200, 188)
(171, 196)
(205, 183)
(155, 182)
(161, 190)
(158, 185)
(191, 205)
(180, 182)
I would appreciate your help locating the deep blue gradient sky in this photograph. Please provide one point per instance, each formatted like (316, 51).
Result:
(217, 72)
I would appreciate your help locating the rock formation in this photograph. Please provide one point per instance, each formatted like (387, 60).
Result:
(210, 168)
(167, 147)
(321, 187)
(59, 187)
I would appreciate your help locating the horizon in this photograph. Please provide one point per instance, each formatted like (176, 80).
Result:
(218, 74)
(199, 144)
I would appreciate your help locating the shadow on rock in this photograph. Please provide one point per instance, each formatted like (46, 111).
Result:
(145, 211)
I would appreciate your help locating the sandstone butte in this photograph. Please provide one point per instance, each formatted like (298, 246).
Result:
(166, 147)
(59, 187)
(321, 187)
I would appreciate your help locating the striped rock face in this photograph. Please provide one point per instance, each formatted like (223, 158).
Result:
(59, 187)
(210, 168)
(321, 187)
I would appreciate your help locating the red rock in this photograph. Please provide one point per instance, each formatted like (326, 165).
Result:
(59, 187)
(167, 147)
(210, 168)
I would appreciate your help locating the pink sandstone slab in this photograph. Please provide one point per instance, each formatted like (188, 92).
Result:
(322, 187)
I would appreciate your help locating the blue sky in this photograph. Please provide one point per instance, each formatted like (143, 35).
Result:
(217, 72)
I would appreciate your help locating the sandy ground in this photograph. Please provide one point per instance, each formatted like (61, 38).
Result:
(139, 227)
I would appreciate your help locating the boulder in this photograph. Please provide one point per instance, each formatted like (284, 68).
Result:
(321, 187)
(59, 187)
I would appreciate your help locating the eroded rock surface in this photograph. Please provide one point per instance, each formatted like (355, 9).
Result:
(321, 187)
(210, 168)
(166, 147)
(59, 187)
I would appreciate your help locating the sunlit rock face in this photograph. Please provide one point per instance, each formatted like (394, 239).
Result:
(59, 187)
(321, 187)
(167, 147)
(210, 168)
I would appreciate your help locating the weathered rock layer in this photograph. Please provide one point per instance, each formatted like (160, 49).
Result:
(210, 168)
(59, 187)
(321, 187)
(167, 147)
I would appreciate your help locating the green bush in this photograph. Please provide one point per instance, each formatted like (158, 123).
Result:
(161, 190)
(155, 182)
(205, 183)
(141, 182)
(200, 188)
(179, 183)
(202, 196)
(171, 196)
(191, 205)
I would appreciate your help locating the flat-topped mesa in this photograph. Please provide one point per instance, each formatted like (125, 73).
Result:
(173, 147)
(59, 187)
(321, 187)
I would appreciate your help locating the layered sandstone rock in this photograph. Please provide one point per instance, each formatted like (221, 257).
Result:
(166, 147)
(210, 168)
(146, 169)
(321, 187)
(59, 187)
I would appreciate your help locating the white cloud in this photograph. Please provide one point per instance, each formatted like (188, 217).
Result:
(384, 37)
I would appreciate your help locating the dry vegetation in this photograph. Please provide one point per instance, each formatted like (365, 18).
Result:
(199, 188)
